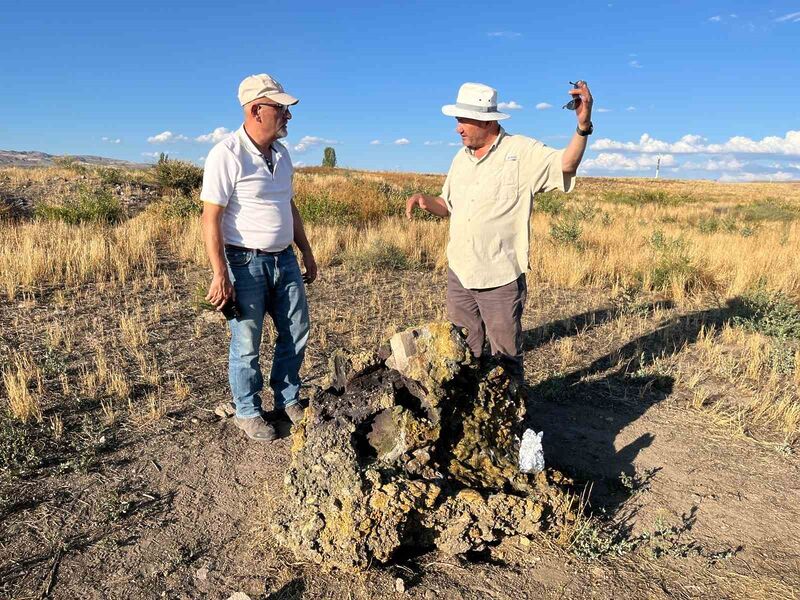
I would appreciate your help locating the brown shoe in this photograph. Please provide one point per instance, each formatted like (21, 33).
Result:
(256, 428)
(295, 412)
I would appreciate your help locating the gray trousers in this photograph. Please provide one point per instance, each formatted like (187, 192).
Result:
(495, 313)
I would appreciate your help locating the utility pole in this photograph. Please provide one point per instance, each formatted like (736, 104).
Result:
(658, 166)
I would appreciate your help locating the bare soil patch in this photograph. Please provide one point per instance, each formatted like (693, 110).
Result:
(173, 506)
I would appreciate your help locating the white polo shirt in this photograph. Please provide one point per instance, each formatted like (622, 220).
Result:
(258, 212)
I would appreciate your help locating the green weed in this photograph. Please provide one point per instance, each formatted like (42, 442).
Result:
(769, 313)
(86, 206)
(17, 452)
(324, 210)
(182, 206)
(567, 231)
(379, 255)
(768, 209)
(112, 176)
(177, 175)
(71, 163)
(639, 197)
(550, 203)
(591, 542)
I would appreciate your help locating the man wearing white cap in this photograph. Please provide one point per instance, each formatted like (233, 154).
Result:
(488, 195)
(249, 224)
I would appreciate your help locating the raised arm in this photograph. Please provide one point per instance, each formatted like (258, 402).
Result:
(573, 153)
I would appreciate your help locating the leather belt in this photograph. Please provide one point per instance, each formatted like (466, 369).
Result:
(258, 251)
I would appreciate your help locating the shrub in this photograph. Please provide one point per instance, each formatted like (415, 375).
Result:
(708, 225)
(379, 255)
(71, 163)
(181, 206)
(672, 263)
(16, 447)
(329, 157)
(769, 209)
(769, 313)
(567, 231)
(177, 175)
(87, 206)
(112, 176)
(324, 210)
(640, 197)
(550, 203)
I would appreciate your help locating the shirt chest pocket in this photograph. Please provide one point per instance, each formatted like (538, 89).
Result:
(509, 179)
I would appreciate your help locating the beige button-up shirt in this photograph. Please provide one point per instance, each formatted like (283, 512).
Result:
(490, 202)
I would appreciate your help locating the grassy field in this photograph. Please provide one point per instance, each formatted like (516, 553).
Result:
(672, 305)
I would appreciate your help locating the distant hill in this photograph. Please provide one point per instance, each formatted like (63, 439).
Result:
(31, 158)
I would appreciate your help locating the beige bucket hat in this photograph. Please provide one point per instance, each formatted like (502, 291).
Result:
(475, 101)
(264, 86)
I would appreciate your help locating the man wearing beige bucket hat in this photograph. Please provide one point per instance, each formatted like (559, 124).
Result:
(488, 195)
(249, 224)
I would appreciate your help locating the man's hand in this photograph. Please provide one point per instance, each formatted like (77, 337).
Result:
(220, 291)
(583, 104)
(432, 204)
(310, 265)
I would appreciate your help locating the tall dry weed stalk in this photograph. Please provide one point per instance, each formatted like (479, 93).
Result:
(24, 387)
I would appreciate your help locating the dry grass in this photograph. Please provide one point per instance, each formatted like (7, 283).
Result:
(692, 242)
(23, 384)
(756, 368)
(684, 239)
(38, 256)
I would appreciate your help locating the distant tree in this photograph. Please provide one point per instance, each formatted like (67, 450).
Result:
(329, 157)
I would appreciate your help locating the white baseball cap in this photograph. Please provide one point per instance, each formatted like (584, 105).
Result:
(475, 101)
(264, 86)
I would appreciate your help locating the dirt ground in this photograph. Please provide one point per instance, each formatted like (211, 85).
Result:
(176, 507)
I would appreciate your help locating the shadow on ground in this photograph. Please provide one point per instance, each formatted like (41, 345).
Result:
(293, 590)
(583, 412)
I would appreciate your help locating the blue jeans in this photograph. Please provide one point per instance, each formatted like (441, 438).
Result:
(273, 285)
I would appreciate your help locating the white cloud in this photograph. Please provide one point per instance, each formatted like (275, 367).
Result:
(694, 144)
(635, 64)
(402, 142)
(430, 143)
(609, 161)
(454, 143)
(201, 160)
(746, 177)
(543, 106)
(631, 108)
(715, 19)
(167, 136)
(730, 164)
(791, 17)
(310, 141)
(111, 140)
(215, 136)
(375, 143)
(504, 34)
(511, 105)
(603, 110)
(153, 154)
(299, 163)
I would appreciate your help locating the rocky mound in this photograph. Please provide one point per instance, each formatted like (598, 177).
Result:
(409, 449)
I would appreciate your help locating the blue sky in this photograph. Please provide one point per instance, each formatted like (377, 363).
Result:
(710, 87)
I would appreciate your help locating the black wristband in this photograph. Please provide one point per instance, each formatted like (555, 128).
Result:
(586, 132)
